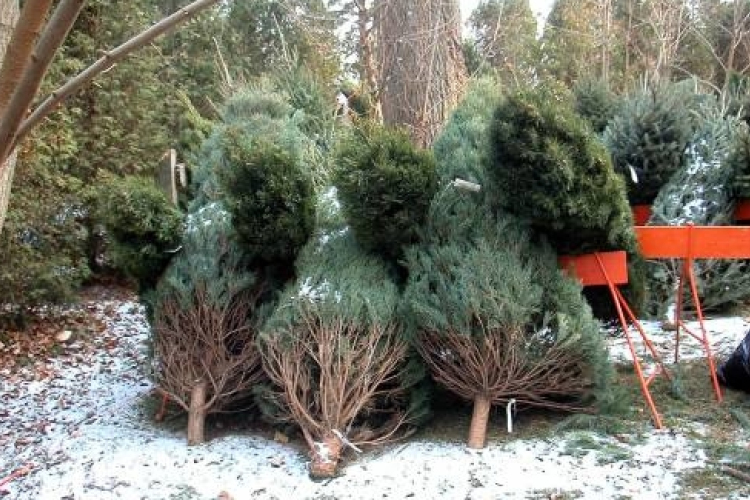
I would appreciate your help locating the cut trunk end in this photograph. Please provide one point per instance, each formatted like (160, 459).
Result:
(197, 415)
(325, 457)
(479, 419)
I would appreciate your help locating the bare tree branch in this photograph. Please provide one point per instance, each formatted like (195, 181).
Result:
(107, 61)
(52, 38)
(25, 35)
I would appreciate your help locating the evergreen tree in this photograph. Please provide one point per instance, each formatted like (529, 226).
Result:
(496, 320)
(739, 162)
(547, 168)
(461, 148)
(701, 193)
(269, 196)
(570, 41)
(648, 139)
(205, 321)
(595, 102)
(336, 331)
(385, 185)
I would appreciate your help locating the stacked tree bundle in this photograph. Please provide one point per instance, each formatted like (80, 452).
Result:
(491, 314)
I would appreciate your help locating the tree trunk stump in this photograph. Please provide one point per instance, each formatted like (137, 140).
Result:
(325, 458)
(479, 419)
(197, 414)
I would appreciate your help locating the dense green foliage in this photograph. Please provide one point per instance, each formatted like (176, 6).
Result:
(268, 194)
(205, 315)
(595, 102)
(548, 168)
(385, 185)
(480, 278)
(505, 39)
(343, 298)
(647, 139)
(43, 243)
(461, 147)
(701, 193)
(143, 226)
(739, 161)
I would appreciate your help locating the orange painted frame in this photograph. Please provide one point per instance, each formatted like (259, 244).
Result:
(742, 210)
(611, 269)
(694, 242)
(688, 243)
(641, 214)
(593, 269)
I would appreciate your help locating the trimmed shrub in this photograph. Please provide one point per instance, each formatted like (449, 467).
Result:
(268, 194)
(143, 226)
(385, 185)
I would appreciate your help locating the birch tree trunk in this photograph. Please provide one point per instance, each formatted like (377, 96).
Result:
(8, 17)
(422, 71)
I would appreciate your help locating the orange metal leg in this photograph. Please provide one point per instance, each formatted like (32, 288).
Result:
(636, 363)
(704, 333)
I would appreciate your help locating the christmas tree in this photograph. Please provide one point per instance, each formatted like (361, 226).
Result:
(496, 321)
(701, 193)
(336, 354)
(385, 185)
(204, 321)
(648, 139)
(547, 168)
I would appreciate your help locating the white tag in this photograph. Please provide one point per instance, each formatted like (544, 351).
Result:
(633, 175)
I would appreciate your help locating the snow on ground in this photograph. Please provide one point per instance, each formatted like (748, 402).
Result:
(83, 435)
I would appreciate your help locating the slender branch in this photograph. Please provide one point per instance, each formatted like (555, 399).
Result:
(51, 39)
(107, 61)
(25, 35)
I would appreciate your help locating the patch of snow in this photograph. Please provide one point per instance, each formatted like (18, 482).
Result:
(724, 335)
(87, 437)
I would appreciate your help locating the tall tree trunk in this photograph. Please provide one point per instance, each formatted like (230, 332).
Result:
(422, 71)
(8, 17)
(367, 57)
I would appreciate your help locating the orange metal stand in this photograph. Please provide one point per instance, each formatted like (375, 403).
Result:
(689, 243)
(610, 269)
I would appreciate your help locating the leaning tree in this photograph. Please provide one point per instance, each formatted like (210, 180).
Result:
(205, 322)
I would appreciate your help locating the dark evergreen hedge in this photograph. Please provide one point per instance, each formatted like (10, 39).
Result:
(143, 225)
(269, 195)
(385, 185)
